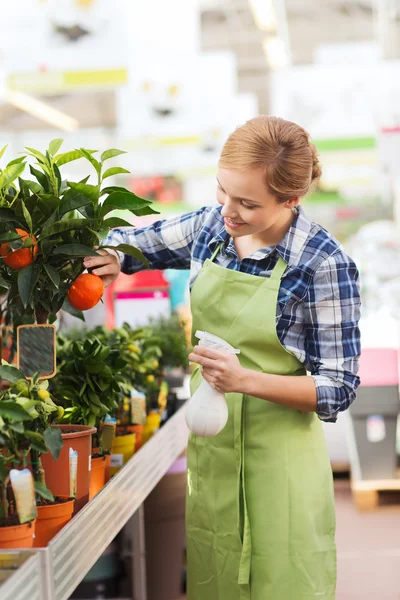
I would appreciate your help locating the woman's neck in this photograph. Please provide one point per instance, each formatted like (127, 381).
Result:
(248, 244)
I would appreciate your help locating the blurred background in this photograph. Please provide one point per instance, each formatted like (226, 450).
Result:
(167, 82)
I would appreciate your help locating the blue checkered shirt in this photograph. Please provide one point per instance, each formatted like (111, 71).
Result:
(319, 300)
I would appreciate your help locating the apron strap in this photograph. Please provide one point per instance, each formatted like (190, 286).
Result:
(216, 252)
(278, 270)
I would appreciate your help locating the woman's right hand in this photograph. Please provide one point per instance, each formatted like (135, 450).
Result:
(106, 266)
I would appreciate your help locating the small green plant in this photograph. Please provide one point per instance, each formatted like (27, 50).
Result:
(89, 382)
(26, 414)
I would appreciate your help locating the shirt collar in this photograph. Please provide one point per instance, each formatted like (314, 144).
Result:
(289, 248)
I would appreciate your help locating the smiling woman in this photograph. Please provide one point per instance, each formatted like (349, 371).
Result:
(260, 509)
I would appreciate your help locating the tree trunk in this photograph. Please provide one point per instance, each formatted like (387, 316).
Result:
(42, 315)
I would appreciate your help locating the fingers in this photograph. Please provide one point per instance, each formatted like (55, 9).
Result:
(97, 261)
(201, 360)
(211, 378)
(105, 266)
(208, 353)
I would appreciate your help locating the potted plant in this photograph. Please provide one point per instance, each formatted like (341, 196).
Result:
(15, 447)
(26, 414)
(47, 225)
(96, 371)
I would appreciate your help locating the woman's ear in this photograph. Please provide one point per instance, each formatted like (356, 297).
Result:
(292, 202)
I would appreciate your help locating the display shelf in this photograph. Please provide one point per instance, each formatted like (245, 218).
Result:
(77, 547)
(28, 581)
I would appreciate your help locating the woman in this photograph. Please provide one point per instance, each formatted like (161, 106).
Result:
(260, 505)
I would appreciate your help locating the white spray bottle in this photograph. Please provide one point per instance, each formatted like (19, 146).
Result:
(207, 411)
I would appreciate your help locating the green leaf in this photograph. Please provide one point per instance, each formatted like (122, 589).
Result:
(16, 161)
(54, 146)
(10, 174)
(67, 157)
(90, 191)
(91, 159)
(3, 150)
(114, 171)
(27, 215)
(38, 155)
(36, 188)
(53, 274)
(3, 283)
(114, 188)
(14, 411)
(53, 441)
(126, 249)
(9, 237)
(115, 222)
(68, 225)
(123, 201)
(111, 153)
(49, 201)
(41, 177)
(147, 210)
(72, 311)
(27, 280)
(18, 427)
(43, 491)
(58, 177)
(12, 374)
(72, 200)
(8, 216)
(75, 250)
(94, 366)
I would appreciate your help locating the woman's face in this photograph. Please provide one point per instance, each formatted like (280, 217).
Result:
(247, 206)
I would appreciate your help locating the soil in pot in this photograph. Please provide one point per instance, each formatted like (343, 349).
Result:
(52, 516)
(79, 438)
(14, 535)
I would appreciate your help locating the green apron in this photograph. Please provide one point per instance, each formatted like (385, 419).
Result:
(260, 516)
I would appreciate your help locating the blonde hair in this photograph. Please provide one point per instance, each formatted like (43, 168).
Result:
(282, 148)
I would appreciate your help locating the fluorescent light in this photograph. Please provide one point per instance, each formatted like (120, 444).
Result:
(275, 52)
(264, 13)
(41, 110)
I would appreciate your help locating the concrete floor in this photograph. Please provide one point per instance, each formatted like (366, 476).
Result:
(368, 550)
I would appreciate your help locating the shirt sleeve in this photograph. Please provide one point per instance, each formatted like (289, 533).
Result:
(166, 244)
(332, 313)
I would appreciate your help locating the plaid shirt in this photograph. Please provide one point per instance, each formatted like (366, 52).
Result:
(319, 300)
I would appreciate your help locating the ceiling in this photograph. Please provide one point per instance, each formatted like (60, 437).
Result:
(229, 24)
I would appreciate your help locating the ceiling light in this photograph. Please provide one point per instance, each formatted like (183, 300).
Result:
(275, 52)
(264, 13)
(41, 110)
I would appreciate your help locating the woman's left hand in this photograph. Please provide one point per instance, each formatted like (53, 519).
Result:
(223, 371)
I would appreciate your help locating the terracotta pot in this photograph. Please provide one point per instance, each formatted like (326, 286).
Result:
(79, 438)
(18, 536)
(107, 458)
(138, 429)
(50, 520)
(123, 449)
(107, 469)
(97, 475)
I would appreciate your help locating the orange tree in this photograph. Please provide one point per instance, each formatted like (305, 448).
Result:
(47, 225)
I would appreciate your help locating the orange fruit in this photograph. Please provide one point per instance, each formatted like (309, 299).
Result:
(86, 291)
(21, 258)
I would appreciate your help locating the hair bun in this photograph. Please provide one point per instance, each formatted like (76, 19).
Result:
(316, 171)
